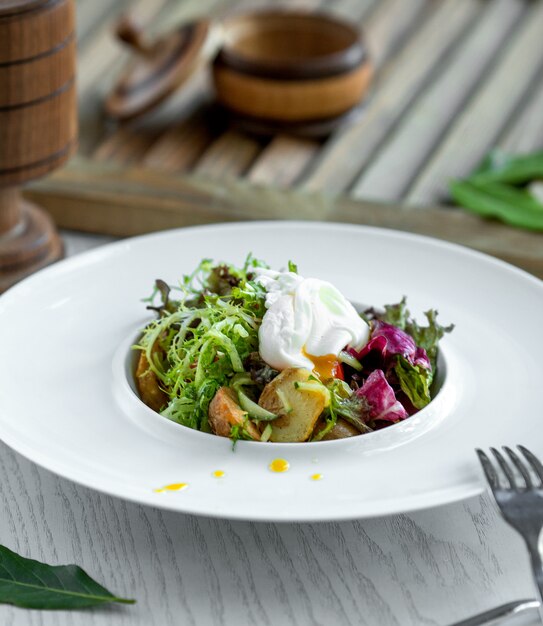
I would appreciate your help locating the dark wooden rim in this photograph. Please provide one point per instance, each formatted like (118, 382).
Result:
(63, 152)
(317, 129)
(129, 101)
(23, 105)
(323, 66)
(170, 63)
(17, 7)
(46, 53)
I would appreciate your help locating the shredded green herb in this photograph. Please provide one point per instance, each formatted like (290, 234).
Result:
(205, 337)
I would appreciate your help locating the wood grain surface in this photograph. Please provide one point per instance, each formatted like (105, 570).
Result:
(424, 569)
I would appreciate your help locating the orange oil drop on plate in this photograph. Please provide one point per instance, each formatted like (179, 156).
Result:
(172, 487)
(279, 466)
(218, 473)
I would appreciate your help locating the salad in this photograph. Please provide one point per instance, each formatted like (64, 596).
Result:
(253, 353)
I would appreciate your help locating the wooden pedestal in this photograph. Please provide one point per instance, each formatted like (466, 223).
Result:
(28, 238)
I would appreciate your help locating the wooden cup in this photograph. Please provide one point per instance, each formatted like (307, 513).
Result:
(38, 124)
(291, 66)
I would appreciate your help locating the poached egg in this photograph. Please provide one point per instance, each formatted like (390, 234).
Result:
(307, 323)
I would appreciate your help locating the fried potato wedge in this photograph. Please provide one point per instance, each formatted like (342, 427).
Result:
(298, 408)
(148, 385)
(225, 412)
(341, 430)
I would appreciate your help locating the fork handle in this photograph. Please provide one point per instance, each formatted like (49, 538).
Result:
(537, 569)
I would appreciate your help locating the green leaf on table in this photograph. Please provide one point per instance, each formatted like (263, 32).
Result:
(507, 203)
(501, 167)
(33, 585)
(505, 187)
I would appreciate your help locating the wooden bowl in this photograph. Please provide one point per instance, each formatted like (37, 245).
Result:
(291, 66)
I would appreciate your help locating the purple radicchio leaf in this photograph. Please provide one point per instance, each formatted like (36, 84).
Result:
(390, 341)
(381, 398)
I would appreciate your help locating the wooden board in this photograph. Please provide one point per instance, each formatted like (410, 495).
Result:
(126, 200)
(454, 79)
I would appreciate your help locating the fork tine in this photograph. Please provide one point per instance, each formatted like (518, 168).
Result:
(505, 468)
(520, 466)
(488, 469)
(535, 463)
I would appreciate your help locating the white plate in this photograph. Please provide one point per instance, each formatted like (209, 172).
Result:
(66, 403)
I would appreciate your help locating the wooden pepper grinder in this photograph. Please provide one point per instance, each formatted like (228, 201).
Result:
(38, 124)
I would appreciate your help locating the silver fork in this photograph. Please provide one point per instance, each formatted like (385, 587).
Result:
(517, 486)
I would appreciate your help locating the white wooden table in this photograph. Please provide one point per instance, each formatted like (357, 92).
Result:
(428, 568)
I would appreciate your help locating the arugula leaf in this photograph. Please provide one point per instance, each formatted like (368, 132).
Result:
(292, 267)
(30, 584)
(428, 337)
(415, 382)
(396, 314)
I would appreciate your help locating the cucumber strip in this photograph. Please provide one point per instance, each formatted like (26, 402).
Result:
(314, 387)
(266, 433)
(287, 407)
(255, 411)
(349, 359)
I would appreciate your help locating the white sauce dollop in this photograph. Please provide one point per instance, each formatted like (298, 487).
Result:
(305, 317)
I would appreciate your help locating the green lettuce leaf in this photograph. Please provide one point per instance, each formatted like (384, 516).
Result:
(415, 382)
(396, 314)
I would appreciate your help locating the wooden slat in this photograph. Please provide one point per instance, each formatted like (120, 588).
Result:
(349, 9)
(155, 133)
(525, 134)
(230, 155)
(283, 161)
(342, 159)
(102, 51)
(389, 175)
(390, 24)
(91, 13)
(499, 96)
(125, 201)
(180, 147)
(127, 147)
(99, 63)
